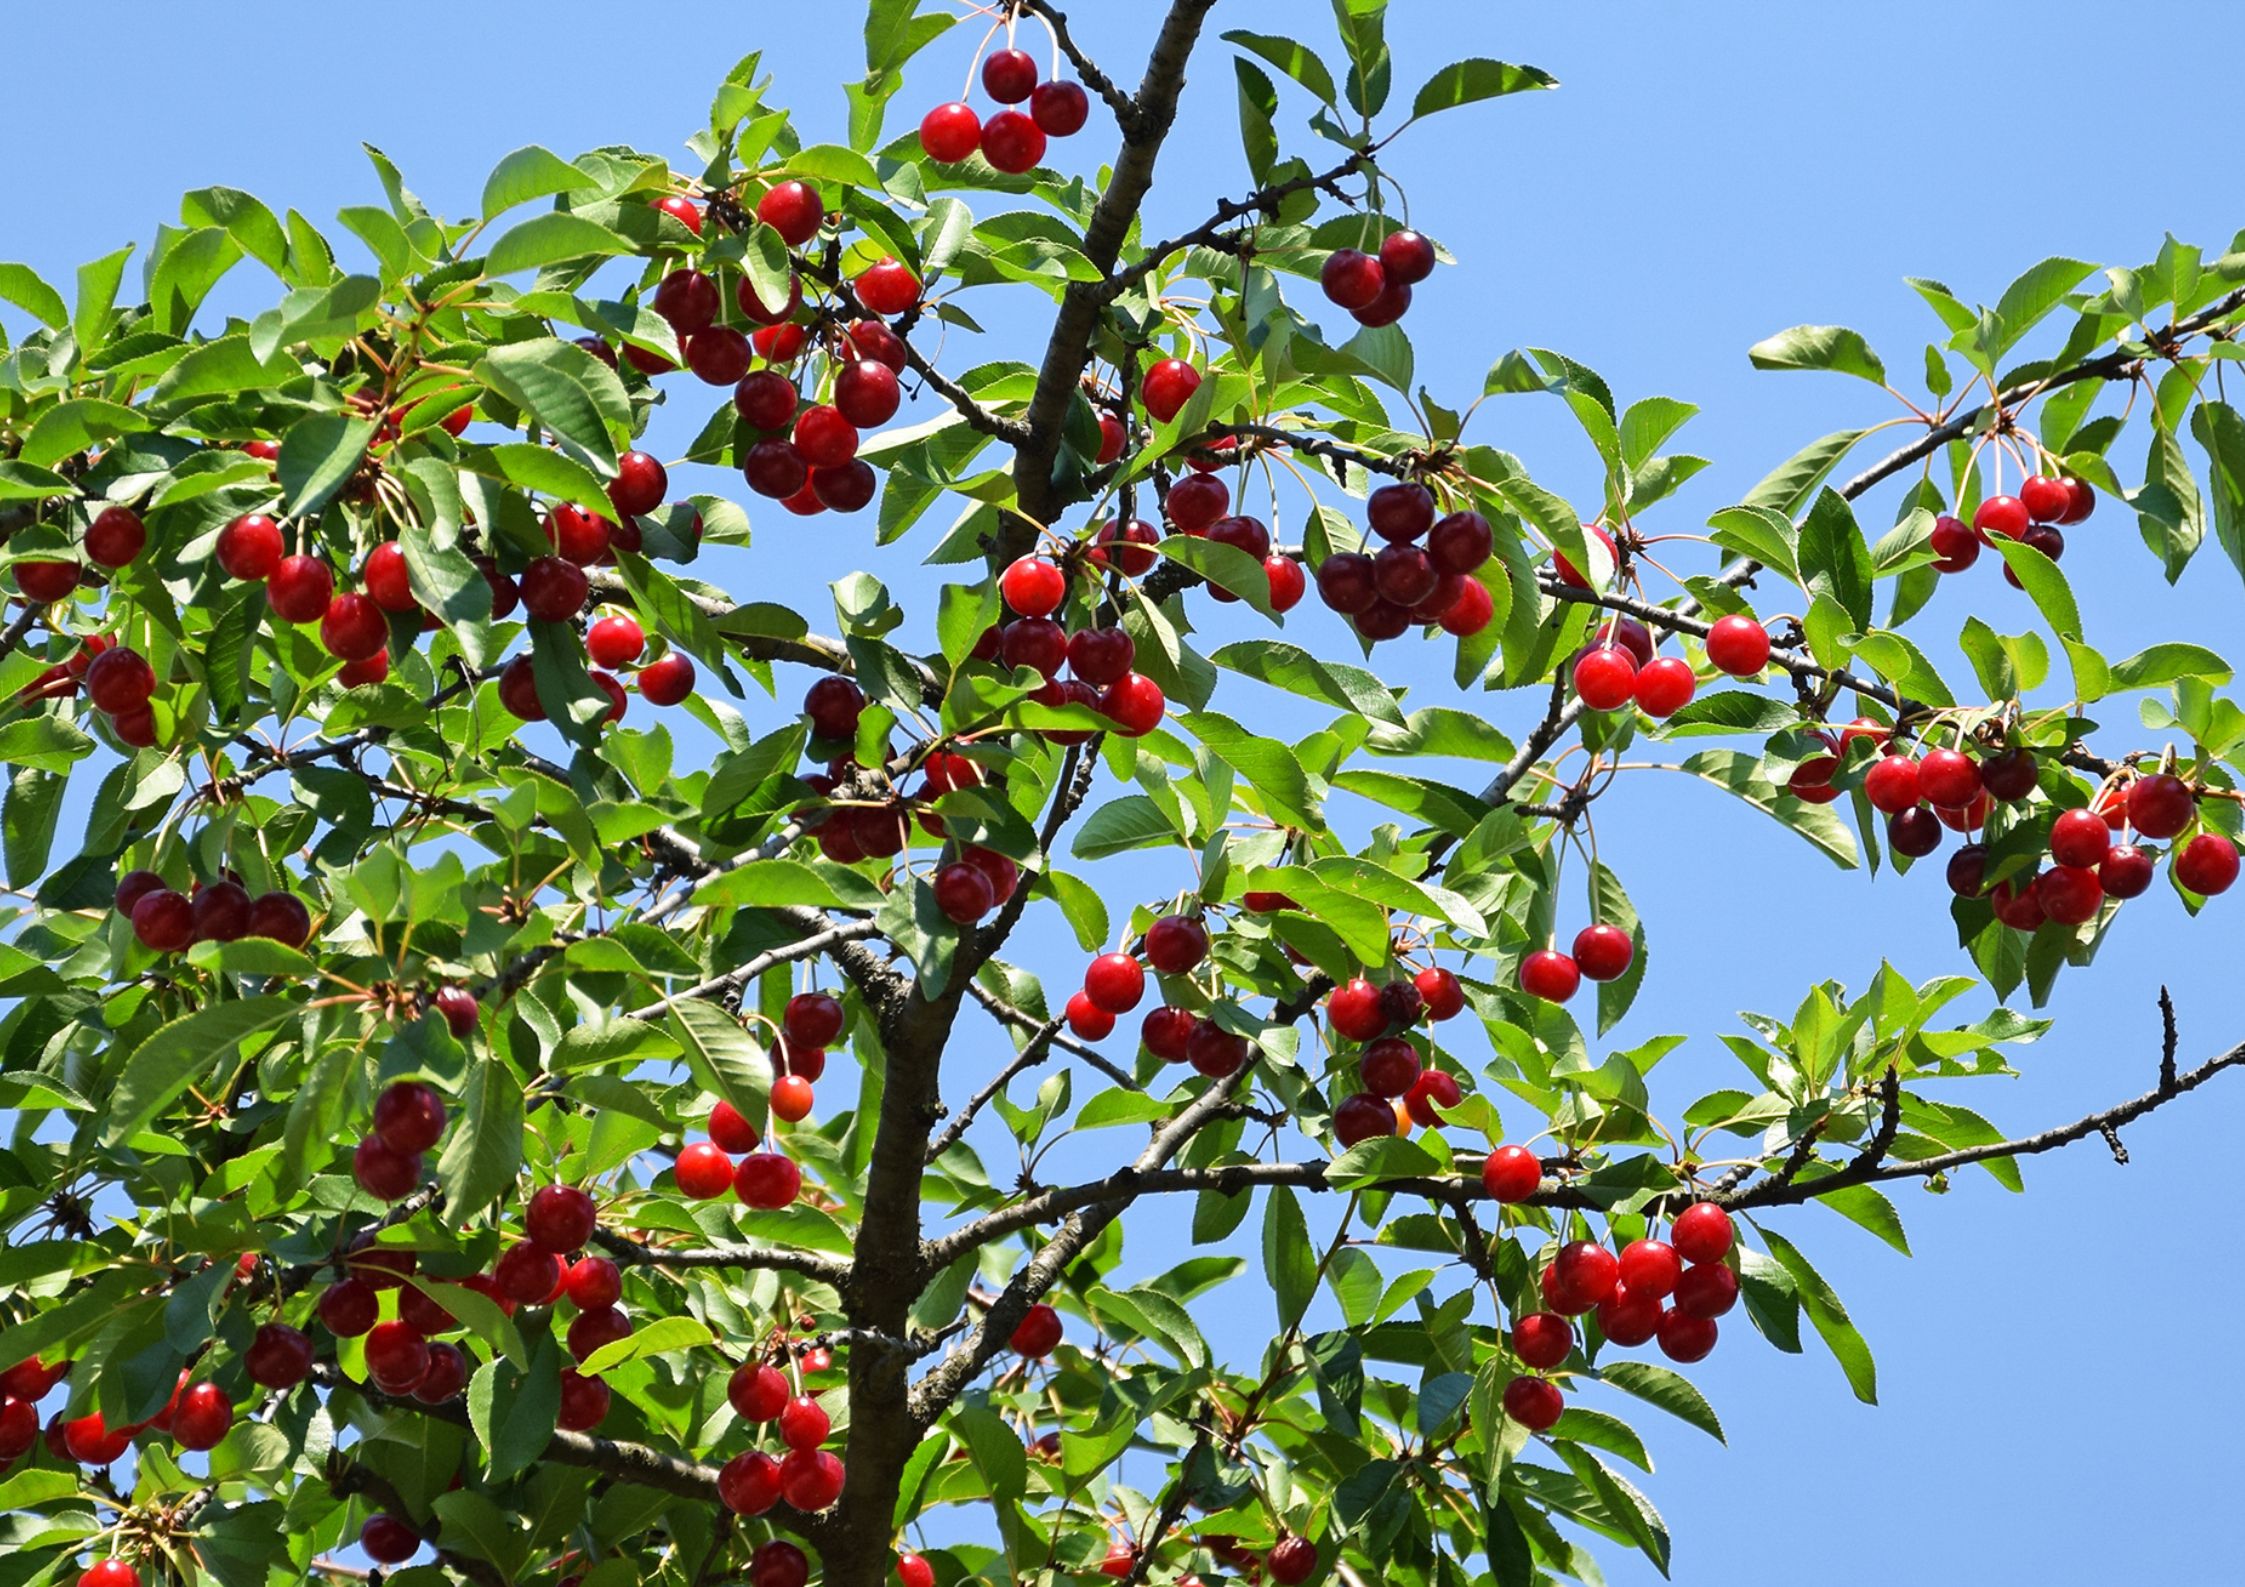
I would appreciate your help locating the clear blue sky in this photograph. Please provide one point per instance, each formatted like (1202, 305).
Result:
(1705, 176)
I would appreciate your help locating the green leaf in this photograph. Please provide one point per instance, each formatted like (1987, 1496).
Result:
(1742, 775)
(2169, 663)
(1289, 1262)
(1296, 59)
(76, 425)
(22, 286)
(530, 172)
(662, 1337)
(2032, 296)
(1834, 559)
(512, 1411)
(1671, 1391)
(161, 1067)
(538, 469)
(574, 395)
(1364, 35)
(1269, 766)
(2045, 585)
(483, 1150)
(1132, 822)
(1466, 82)
(723, 1057)
(1829, 1318)
(1832, 347)
(318, 456)
(548, 239)
(1290, 667)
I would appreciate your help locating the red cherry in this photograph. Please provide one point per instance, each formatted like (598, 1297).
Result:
(1702, 1232)
(1949, 779)
(1470, 612)
(202, 1416)
(1390, 1067)
(1362, 1117)
(109, 1573)
(353, 628)
(299, 589)
(1605, 677)
(2000, 515)
(1176, 944)
(640, 484)
(681, 209)
(766, 399)
(1586, 1271)
(1665, 686)
(666, 681)
(2018, 902)
(2081, 501)
(1009, 76)
(164, 921)
(866, 394)
(43, 582)
(2046, 499)
(1113, 435)
(559, 1218)
(584, 1402)
(1196, 501)
(758, 1391)
(757, 311)
(1440, 991)
(1038, 1333)
(388, 1540)
(1684, 1337)
(1431, 1093)
(1168, 1032)
(730, 1130)
(1568, 573)
(1915, 832)
(1134, 703)
(1535, 1403)
(279, 1356)
(703, 1170)
(1391, 305)
(382, 1173)
(446, 1377)
(950, 133)
(1542, 1339)
(1511, 1174)
(595, 1330)
(2207, 864)
(554, 590)
(1116, 982)
(1101, 655)
(767, 1180)
(409, 1117)
(2126, 872)
(688, 299)
(348, 1308)
(1033, 587)
(1352, 278)
(1603, 952)
(749, 1484)
(782, 344)
(887, 286)
(1215, 1051)
(1087, 1019)
(593, 1283)
(1954, 544)
(1650, 1268)
(1167, 387)
(792, 209)
(1012, 142)
(115, 536)
(803, 1423)
(1060, 108)
(397, 1356)
(834, 705)
(811, 1479)
(2080, 837)
(1401, 512)
(220, 912)
(1355, 1012)
(250, 547)
(963, 894)
(1292, 1561)
(813, 1019)
(1460, 542)
(2159, 806)
(1739, 646)
(1344, 582)
(823, 438)
(1403, 575)
(1407, 257)
(1549, 975)
(914, 1571)
(718, 354)
(1122, 1558)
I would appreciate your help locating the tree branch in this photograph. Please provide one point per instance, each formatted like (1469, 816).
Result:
(1208, 234)
(745, 1258)
(1125, 110)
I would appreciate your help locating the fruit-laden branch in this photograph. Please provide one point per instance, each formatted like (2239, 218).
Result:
(810, 650)
(640, 1464)
(1401, 467)
(346, 1476)
(831, 938)
(1022, 1019)
(743, 1258)
(1210, 234)
(1782, 1188)
(1068, 349)
(949, 1376)
(1126, 111)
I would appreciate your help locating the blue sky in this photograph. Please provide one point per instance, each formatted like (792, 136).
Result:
(1705, 176)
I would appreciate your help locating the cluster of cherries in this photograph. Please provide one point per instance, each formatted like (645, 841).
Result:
(1012, 141)
(170, 921)
(1620, 667)
(2032, 518)
(1627, 1292)
(1406, 584)
(807, 1476)
(1376, 287)
(762, 1178)
(1602, 952)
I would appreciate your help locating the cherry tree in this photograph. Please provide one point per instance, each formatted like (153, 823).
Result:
(423, 1150)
